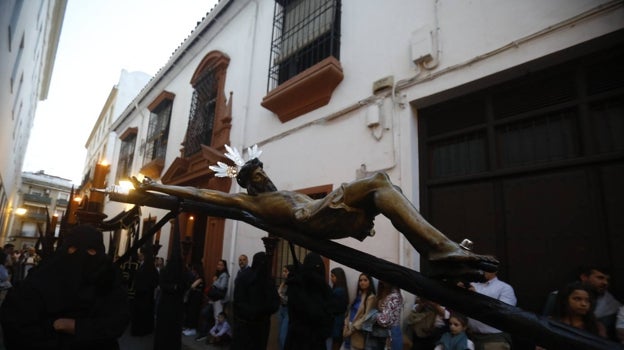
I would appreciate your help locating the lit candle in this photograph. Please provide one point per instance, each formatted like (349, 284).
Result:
(157, 236)
(53, 223)
(189, 226)
(99, 181)
(73, 207)
(99, 177)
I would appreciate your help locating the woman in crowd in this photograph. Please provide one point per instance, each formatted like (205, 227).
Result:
(365, 301)
(215, 294)
(219, 287)
(283, 310)
(575, 307)
(388, 317)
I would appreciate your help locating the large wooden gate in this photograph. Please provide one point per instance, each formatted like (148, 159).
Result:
(532, 170)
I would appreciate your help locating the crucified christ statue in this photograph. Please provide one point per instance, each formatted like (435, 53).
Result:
(348, 211)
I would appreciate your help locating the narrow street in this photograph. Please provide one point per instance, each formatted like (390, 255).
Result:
(127, 342)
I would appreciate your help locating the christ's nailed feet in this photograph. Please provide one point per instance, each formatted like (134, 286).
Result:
(459, 262)
(454, 253)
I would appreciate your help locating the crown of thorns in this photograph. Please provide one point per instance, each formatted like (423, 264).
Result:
(225, 170)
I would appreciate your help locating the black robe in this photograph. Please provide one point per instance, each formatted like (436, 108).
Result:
(145, 282)
(255, 300)
(85, 287)
(311, 306)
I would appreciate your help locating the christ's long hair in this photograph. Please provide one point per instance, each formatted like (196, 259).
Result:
(254, 187)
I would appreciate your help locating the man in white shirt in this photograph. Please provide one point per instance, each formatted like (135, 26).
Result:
(485, 336)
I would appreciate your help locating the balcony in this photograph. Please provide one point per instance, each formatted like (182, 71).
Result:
(36, 216)
(62, 202)
(28, 197)
(309, 90)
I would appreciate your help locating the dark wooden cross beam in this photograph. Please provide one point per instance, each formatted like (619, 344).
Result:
(545, 332)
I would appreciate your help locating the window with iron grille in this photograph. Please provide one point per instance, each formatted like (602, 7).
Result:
(126, 155)
(202, 115)
(158, 132)
(304, 33)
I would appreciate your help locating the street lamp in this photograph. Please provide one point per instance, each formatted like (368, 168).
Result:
(19, 212)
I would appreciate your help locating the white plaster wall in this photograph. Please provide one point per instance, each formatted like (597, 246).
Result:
(481, 38)
(129, 85)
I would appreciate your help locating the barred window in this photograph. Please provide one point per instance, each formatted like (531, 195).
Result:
(459, 155)
(545, 138)
(551, 116)
(202, 116)
(304, 33)
(158, 132)
(126, 155)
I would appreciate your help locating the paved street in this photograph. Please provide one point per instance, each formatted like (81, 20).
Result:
(189, 343)
(128, 342)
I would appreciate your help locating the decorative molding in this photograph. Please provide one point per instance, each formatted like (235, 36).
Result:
(129, 132)
(195, 171)
(214, 60)
(165, 95)
(223, 121)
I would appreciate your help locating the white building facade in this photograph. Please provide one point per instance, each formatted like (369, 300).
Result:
(99, 144)
(29, 39)
(489, 115)
(42, 197)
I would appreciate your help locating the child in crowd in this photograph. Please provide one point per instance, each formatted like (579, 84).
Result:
(221, 332)
(456, 338)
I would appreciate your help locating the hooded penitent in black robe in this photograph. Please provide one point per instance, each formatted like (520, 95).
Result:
(143, 304)
(310, 306)
(255, 300)
(79, 282)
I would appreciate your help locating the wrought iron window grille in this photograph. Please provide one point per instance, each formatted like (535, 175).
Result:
(126, 155)
(304, 33)
(202, 114)
(158, 132)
